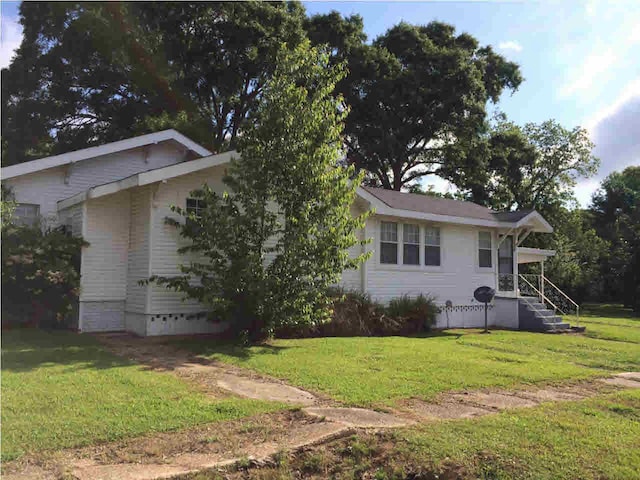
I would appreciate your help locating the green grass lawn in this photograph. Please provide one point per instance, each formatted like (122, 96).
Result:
(60, 389)
(592, 439)
(381, 370)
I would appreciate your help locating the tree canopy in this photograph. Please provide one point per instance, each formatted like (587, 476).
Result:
(413, 92)
(89, 73)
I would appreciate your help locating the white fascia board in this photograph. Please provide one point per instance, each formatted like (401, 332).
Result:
(534, 216)
(185, 168)
(152, 176)
(537, 251)
(100, 150)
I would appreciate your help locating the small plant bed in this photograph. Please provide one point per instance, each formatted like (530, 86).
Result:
(61, 389)
(589, 439)
(380, 371)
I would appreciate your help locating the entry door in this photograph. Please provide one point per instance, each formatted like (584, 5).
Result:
(506, 281)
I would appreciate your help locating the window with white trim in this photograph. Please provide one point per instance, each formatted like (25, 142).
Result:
(411, 244)
(484, 250)
(432, 246)
(195, 206)
(26, 214)
(388, 242)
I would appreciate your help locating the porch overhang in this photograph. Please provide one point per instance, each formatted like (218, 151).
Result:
(533, 255)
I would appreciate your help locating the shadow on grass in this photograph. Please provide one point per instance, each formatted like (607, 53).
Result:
(608, 310)
(28, 349)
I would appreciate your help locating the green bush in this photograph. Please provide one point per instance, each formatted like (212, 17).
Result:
(40, 275)
(356, 314)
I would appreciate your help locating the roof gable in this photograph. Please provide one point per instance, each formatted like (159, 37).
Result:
(100, 150)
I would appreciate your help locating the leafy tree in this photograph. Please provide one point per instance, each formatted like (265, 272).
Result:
(289, 201)
(530, 167)
(575, 268)
(415, 91)
(616, 218)
(88, 73)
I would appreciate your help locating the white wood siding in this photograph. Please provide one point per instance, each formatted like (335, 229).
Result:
(47, 187)
(105, 260)
(166, 239)
(138, 258)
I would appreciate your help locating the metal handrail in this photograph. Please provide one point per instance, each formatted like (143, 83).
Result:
(542, 296)
(565, 296)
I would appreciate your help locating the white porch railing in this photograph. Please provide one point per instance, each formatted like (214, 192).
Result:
(531, 285)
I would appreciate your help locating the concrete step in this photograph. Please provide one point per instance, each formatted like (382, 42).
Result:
(542, 312)
(556, 326)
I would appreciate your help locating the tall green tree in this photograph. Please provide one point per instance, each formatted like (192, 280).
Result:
(415, 91)
(289, 201)
(616, 218)
(531, 167)
(88, 73)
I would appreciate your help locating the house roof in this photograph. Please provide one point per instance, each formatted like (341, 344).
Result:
(148, 177)
(428, 207)
(106, 149)
(385, 202)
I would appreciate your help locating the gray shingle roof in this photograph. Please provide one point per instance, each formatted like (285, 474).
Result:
(442, 206)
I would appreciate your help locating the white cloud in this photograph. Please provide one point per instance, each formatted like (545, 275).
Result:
(629, 92)
(591, 70)
(615, 130)
(10, 38)
(510, 45)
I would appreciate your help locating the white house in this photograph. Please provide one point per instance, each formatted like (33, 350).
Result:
(118, 195)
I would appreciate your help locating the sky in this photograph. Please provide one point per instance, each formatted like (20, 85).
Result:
(579, 59)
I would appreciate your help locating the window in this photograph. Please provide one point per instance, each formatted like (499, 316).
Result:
(388, 242)
(26, 214)
(195, 206)
(484, 249)
(432, 246)
(411, 250)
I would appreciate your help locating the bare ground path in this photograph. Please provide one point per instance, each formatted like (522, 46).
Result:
(218, 445)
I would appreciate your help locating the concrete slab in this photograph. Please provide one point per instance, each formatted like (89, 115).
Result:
(635, 376)
(357, 417)
(621, 382)
(549, 395)
(447, 409)
(499, 401)
(263, 390)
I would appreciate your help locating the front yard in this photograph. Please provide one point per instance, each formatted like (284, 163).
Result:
(60, 389)
(379, 371)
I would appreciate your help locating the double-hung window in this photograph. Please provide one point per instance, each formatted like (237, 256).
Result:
(432, 246)
(389, 242)
(484, 249)
(195, 206)
(26, 214)
(411, 241)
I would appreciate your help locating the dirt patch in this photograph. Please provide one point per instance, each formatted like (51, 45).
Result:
(213, 378)
(167, 454)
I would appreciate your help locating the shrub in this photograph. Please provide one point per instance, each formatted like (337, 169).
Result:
(40, 275)
(355, 314)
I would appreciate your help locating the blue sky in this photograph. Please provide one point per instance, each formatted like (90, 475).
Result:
(579, 61)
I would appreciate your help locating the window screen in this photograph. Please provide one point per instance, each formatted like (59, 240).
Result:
(432, 246)
(388, 242)
(411, 249)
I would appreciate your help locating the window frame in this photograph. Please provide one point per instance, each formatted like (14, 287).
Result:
(400, 265)
(407, 243)
(199, 206)
(439, 245)
(34, 221)
(396, 243)
(491, 267)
